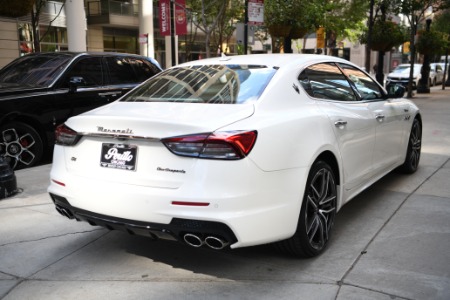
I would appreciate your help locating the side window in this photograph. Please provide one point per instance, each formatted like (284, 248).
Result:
(120, 70)
(366, 87)
(326, 81)
(89, 68)
(143, 69)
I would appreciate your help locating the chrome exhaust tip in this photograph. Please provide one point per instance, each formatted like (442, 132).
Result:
(193, 240)
(64, 212)
(215, 243)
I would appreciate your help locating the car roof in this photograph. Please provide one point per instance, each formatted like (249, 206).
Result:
(270, 60)
(75, 54)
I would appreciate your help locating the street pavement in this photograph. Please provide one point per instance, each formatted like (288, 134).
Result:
(390, 242)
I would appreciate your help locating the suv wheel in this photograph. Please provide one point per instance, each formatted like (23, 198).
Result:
(21, 145)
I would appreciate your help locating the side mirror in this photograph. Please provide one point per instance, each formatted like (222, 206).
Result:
(75, 82)
(396, 90)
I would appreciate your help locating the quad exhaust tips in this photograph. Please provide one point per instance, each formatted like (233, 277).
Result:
(212, 242)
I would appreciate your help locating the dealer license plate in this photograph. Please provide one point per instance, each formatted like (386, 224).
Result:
(119, 156)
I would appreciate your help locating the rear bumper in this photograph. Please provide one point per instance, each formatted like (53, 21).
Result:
(244, 211)
(174, 231)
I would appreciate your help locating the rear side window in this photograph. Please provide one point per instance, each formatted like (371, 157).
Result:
(326, 81)
(213, 84)
(143, 69)
(89, 68)
(120, 70)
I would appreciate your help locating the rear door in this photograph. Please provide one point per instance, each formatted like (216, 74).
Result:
(90, 92)
(387, 116)
(351, 120)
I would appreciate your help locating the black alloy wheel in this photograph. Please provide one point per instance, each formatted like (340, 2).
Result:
(317, 214)
(414, 148)
(20, 145)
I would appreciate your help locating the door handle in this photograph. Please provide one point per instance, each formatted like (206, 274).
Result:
(340, 123)
(380, 118)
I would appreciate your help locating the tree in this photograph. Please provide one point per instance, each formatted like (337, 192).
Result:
(416, 11)
(382, 34)
(340, 18)
(35, 16)
(442, 24)
(206, 16)
(225, 29)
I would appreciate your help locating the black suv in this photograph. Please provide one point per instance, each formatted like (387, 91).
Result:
(42, 90)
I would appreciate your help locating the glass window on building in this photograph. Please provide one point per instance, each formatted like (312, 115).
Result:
(120, 40)
(53, 39)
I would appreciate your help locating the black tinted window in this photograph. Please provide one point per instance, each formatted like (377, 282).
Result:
(34, 70)
(326, 81)
(120, 70)
(89, 68)
(143, 69)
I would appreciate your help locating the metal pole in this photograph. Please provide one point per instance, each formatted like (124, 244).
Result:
(246, 27)
(172, 31)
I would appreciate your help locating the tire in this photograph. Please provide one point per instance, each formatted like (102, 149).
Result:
(317, 214)
(434, 81)
(412, 159)
(21, 145)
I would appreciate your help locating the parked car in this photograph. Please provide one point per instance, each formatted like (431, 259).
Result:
(40, 91)
(400, 75)
(235, 151)
(436, 73)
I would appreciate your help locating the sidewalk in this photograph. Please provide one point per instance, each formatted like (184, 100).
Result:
(391, 242)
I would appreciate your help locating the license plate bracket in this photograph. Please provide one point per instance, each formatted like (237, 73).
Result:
(118, 156)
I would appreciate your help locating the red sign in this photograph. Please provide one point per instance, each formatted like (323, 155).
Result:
(164, 17)
(255, 12)
(143, 38)
(180, 17)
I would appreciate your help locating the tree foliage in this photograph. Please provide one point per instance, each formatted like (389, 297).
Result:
(214, 18)
(16, 8)
(385, 35)
(340, 18)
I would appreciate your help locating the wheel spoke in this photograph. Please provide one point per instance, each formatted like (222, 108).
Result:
(10, 135)
(26, 157)
(26, 141)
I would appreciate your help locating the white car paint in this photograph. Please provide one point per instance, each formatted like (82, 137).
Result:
(258, 197)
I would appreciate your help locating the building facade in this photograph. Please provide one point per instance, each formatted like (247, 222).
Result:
(122, 25)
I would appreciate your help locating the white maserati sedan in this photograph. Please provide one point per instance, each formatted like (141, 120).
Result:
(235, 151)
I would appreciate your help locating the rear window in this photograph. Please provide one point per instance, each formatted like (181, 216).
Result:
(214, 84)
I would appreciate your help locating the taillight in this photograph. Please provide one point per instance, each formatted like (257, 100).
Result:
(229, 145)
(65, 136)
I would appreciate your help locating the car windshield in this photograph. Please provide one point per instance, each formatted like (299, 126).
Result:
(33, 70)
(401, 69)
(214, 84)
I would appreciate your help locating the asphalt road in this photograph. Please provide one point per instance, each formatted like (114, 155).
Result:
(391, 242)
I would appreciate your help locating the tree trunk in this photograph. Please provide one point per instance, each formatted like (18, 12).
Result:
(287, 45)
(380, 66)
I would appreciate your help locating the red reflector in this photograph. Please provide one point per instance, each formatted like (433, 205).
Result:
(190, 203)
(58, 182)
